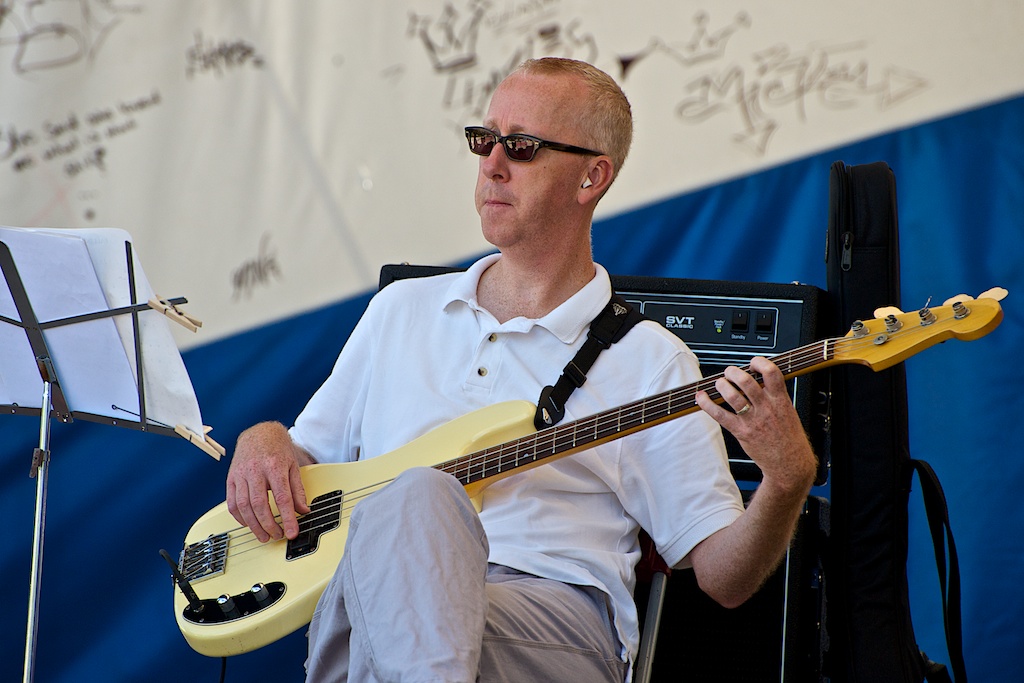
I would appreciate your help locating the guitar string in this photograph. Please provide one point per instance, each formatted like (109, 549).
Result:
(322, 519)
(659, 406)
(318, 520)
(245, 542)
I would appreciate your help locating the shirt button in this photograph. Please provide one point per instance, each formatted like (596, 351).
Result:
(493, 337)
(482, 372)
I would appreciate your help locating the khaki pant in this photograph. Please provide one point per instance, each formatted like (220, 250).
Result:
(414, 599)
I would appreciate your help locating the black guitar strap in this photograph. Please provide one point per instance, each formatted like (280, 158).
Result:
(611, 324)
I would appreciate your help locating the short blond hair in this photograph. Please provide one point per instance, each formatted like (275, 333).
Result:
(606, 121)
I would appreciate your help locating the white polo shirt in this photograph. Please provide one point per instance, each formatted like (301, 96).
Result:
(425, 352)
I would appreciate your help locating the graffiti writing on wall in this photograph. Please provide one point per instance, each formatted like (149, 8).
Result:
(217, 57)
(780, 85)
(257, 271)
(36, 35)
(78, 141)
(450, 41)
(716, 69)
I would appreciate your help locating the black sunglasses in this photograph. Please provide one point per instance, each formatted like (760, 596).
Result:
(518, 146)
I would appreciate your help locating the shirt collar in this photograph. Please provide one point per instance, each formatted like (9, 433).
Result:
(567, 322)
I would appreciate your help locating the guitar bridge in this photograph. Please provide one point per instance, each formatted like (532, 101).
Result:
(204, 559)
(324, 515)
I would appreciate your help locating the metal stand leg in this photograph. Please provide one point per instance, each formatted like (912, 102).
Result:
(649, 635)
(40, 470)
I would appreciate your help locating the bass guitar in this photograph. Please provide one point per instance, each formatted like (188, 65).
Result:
(258, 592)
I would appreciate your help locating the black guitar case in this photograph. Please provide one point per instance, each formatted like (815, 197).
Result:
(870, 627)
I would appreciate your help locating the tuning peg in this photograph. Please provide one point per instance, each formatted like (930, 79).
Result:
(887, 311)
(996, 293)
(859, 329)
(892, 324)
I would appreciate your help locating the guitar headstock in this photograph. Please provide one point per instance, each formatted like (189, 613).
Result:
(894, 335)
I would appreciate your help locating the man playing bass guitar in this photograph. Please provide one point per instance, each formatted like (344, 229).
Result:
(537, 585)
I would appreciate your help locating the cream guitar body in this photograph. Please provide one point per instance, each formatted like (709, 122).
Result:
(289, 576)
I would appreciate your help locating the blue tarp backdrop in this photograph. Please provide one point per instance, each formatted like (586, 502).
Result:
(116, 497)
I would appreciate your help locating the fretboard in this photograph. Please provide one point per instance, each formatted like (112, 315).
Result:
(572, 437)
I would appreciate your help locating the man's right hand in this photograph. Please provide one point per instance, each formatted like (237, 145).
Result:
(266, 459)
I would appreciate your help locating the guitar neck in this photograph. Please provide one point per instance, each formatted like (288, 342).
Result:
(879, 344)
(571, 437)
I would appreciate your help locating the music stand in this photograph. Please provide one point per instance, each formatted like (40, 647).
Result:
(83, 338)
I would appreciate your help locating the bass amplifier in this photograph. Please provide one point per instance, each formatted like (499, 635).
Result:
(728, 323)
(780, 634)
(724, 323)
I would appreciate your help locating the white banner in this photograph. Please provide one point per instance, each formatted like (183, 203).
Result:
(268, 157)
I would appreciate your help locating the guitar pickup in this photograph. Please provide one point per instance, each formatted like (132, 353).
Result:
(324, 516)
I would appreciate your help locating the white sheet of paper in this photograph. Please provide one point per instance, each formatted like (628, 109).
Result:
(77, 271)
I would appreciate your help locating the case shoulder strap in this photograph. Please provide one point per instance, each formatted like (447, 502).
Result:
(937, 512)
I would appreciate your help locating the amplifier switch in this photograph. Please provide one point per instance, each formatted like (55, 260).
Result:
(764, 322)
